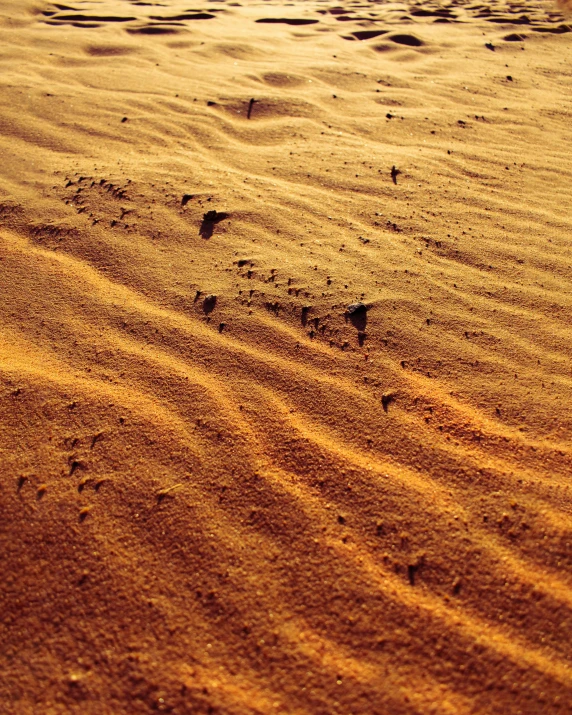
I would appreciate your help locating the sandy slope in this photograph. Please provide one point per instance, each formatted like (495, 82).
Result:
(220, 492)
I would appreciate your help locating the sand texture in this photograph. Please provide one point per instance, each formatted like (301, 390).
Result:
(285, 358)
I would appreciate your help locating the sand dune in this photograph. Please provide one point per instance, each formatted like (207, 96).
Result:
(285, 357)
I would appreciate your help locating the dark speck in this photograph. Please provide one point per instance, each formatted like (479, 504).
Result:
(357, 313)
(209, 303)
(210, 219)
(386, 399)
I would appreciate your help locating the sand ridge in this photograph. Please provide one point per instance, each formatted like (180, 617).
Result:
(222, 490)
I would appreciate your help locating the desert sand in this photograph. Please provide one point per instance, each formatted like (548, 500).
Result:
(285, 358)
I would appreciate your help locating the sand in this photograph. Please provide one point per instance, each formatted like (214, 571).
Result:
(223, 490)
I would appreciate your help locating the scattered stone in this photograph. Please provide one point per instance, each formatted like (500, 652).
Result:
(186, 198)
(356, 308)
(162, 493)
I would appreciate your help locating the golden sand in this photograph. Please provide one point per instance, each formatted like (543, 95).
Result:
(285, 358)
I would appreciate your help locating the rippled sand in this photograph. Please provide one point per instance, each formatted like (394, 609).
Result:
(222, 491)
